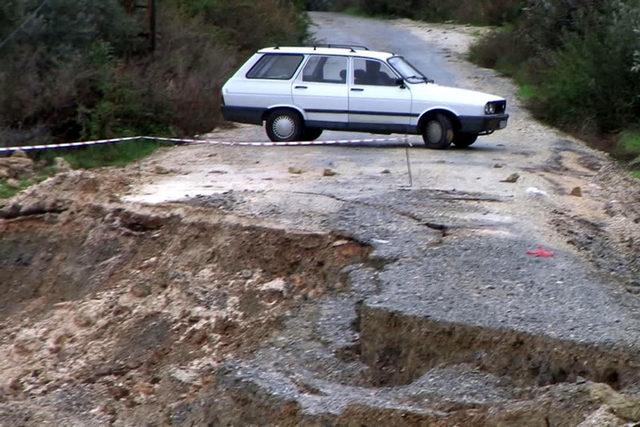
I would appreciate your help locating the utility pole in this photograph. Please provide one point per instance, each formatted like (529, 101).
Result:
(152, 17)
(132, 7)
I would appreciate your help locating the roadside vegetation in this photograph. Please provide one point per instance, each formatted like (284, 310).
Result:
(577, 61)
(578, 65)
(83, 69)
(479, 12)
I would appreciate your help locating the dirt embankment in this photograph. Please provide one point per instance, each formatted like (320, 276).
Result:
(113, 312)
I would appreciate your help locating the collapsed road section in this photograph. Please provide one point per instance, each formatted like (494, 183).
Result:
(197, 314)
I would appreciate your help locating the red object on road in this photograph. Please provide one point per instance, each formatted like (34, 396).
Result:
(540, 252)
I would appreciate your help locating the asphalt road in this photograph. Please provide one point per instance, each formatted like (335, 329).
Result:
(379, 35)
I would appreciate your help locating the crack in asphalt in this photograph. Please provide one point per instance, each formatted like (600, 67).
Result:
(432, 225)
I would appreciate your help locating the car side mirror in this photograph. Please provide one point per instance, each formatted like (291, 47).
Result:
(400, 82)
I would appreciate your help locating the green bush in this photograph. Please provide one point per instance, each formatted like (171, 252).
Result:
(577, 61)
(628, 147)
(590, 84)
(482, 12)
(80, 69)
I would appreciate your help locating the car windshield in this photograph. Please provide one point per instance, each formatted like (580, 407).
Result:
(407, 71)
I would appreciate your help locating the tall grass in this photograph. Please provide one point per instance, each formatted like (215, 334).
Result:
(118, 155)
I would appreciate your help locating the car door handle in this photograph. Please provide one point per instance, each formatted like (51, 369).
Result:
(301, 87)
(357, 89)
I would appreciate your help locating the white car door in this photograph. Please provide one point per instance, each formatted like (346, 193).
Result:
(376, 100)
(321, 90)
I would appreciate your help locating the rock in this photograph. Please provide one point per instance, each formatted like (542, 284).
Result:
(534, 191)
(310, 242)
(140, 290)
(511, 179)
(246, 274)
(15, 167)
(61, 164)
(118, 392)
(83, 320)
(13, 183)
(621, 405)
(223, 324)
(295, 171)
(199, 336)
(26, 345)
(150, 262)
(15, 385)
(329, 172)
(385, 171)
(498, 166)
(577, 192)
(184, 376)
(20, 154)
(602, 418)
(276, 286)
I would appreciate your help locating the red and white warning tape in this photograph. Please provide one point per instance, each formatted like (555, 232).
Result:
(4, 150)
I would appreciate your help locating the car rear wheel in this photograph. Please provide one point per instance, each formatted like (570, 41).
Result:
(464, 140)
(437, 132)
(311, 134)
(284, 126)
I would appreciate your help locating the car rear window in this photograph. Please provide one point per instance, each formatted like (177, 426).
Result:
(325, 69)
(275, 67)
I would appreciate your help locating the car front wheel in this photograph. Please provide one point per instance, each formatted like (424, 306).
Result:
(284, 126)
(437, 132)
(464, 140)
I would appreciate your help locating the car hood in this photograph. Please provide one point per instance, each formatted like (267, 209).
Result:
(434, 92)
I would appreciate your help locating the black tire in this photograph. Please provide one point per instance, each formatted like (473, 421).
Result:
(311, 134)
(437, 132)
(284, 126)
(464, 140)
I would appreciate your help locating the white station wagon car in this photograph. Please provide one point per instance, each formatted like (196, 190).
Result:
(300, 91)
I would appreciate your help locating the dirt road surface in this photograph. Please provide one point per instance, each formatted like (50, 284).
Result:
(270, 291)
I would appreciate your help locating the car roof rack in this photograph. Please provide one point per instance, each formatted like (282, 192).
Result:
(353, 47)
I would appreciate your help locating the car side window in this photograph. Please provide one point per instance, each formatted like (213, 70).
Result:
(371, 72)
(325, 69)
(275, 67)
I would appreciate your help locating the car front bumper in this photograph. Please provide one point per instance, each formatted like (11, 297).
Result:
(487, 123)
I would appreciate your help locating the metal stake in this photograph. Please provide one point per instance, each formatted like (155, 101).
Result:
(406, 149)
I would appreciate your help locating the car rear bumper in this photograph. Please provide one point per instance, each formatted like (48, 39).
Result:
(243, 114)
(479, 124)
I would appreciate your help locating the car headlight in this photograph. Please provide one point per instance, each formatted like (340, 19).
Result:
(495, 107)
